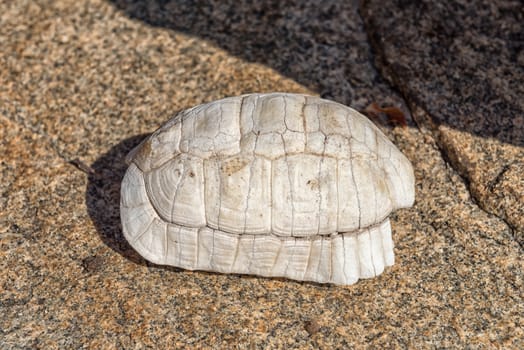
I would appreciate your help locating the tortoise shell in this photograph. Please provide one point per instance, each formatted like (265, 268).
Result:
(275, 184)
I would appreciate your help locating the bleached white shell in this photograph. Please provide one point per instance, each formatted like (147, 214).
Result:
(269, 184)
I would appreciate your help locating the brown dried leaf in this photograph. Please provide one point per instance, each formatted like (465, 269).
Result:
(394, 114)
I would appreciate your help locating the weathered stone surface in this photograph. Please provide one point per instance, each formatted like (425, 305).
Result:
(322, 47)
(79, 80)
(461, 61)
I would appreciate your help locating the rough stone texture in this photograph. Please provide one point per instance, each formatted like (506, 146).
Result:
(463, 63)
(82, 81)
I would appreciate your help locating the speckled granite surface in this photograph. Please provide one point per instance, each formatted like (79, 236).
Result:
(463, 63)
(81, 82)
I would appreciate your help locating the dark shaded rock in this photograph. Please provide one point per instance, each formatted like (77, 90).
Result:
(320, 45)
(461, 62)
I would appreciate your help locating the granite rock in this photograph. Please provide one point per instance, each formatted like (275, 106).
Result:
(324, 48)
(82, 82)
(461, 61)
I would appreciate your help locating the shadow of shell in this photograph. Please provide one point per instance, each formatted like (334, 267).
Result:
(103, 197)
